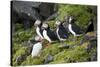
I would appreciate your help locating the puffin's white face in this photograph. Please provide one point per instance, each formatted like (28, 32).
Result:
(70, 19)
(58, 23)
(37, 38)
(37, 22)
(44, 26)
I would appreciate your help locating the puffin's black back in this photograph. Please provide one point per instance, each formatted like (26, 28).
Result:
(51, 34)
(76, 28)
(65, 25)
(90, 27)
(62, 31)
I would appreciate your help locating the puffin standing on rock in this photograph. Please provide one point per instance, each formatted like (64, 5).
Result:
(48, 34)
(73, 28)
(62, 34)
(37, 47)
(39, 30)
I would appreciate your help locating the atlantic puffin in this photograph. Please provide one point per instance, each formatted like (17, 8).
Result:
(37, 46)
(90, 26)
(39, 30)
(49, 34)
(72, 27)
(62, 34)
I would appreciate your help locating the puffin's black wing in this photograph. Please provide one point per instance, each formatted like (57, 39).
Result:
(65, 25)
(62, 32)
(76, 28)
(51, 35)
(90, 27)
(41, 31)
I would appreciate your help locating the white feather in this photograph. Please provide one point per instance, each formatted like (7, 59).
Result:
(61, 39)
(70, 29)
(46, 36)
(36, 49)
(38, 32)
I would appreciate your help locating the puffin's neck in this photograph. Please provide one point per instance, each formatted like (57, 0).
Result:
(61, 24)
(47, 28)
(40, 25)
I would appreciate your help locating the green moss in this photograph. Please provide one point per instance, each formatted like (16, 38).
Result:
(74, 55)
(51, 49)
(32, 61)
(21, 51)
(19, 27)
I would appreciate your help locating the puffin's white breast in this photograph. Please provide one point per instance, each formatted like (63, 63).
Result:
(70, 29)
(58, 33)
(38, 32)
(36, 49)
(46, 36)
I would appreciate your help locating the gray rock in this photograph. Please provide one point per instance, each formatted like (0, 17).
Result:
(94, 57)
(26, 8)
(48, 59)
(63, 46)
(20, 59)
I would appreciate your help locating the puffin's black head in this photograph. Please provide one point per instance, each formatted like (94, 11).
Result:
(45, 26)
(71, 19)
(37, 22)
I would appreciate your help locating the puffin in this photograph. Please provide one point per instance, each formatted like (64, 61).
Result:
(37, 47)
(39, 30)
(49, 34)
(90, 26)
(73, 28)
(61, 32)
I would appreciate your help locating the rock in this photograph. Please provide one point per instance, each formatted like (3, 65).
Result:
(46, 9)
(23, 7)
(94, 57)
(90, 36)
(27, 44)
(19, 59)
(48, 59)
(27, 12)
(52, 16)
(26, 24)
(29, 50)
(92, 44)
(63, 46)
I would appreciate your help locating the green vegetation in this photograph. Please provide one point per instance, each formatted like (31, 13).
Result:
(75, 52)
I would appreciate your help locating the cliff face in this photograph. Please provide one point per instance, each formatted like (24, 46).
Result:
(79, 49)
